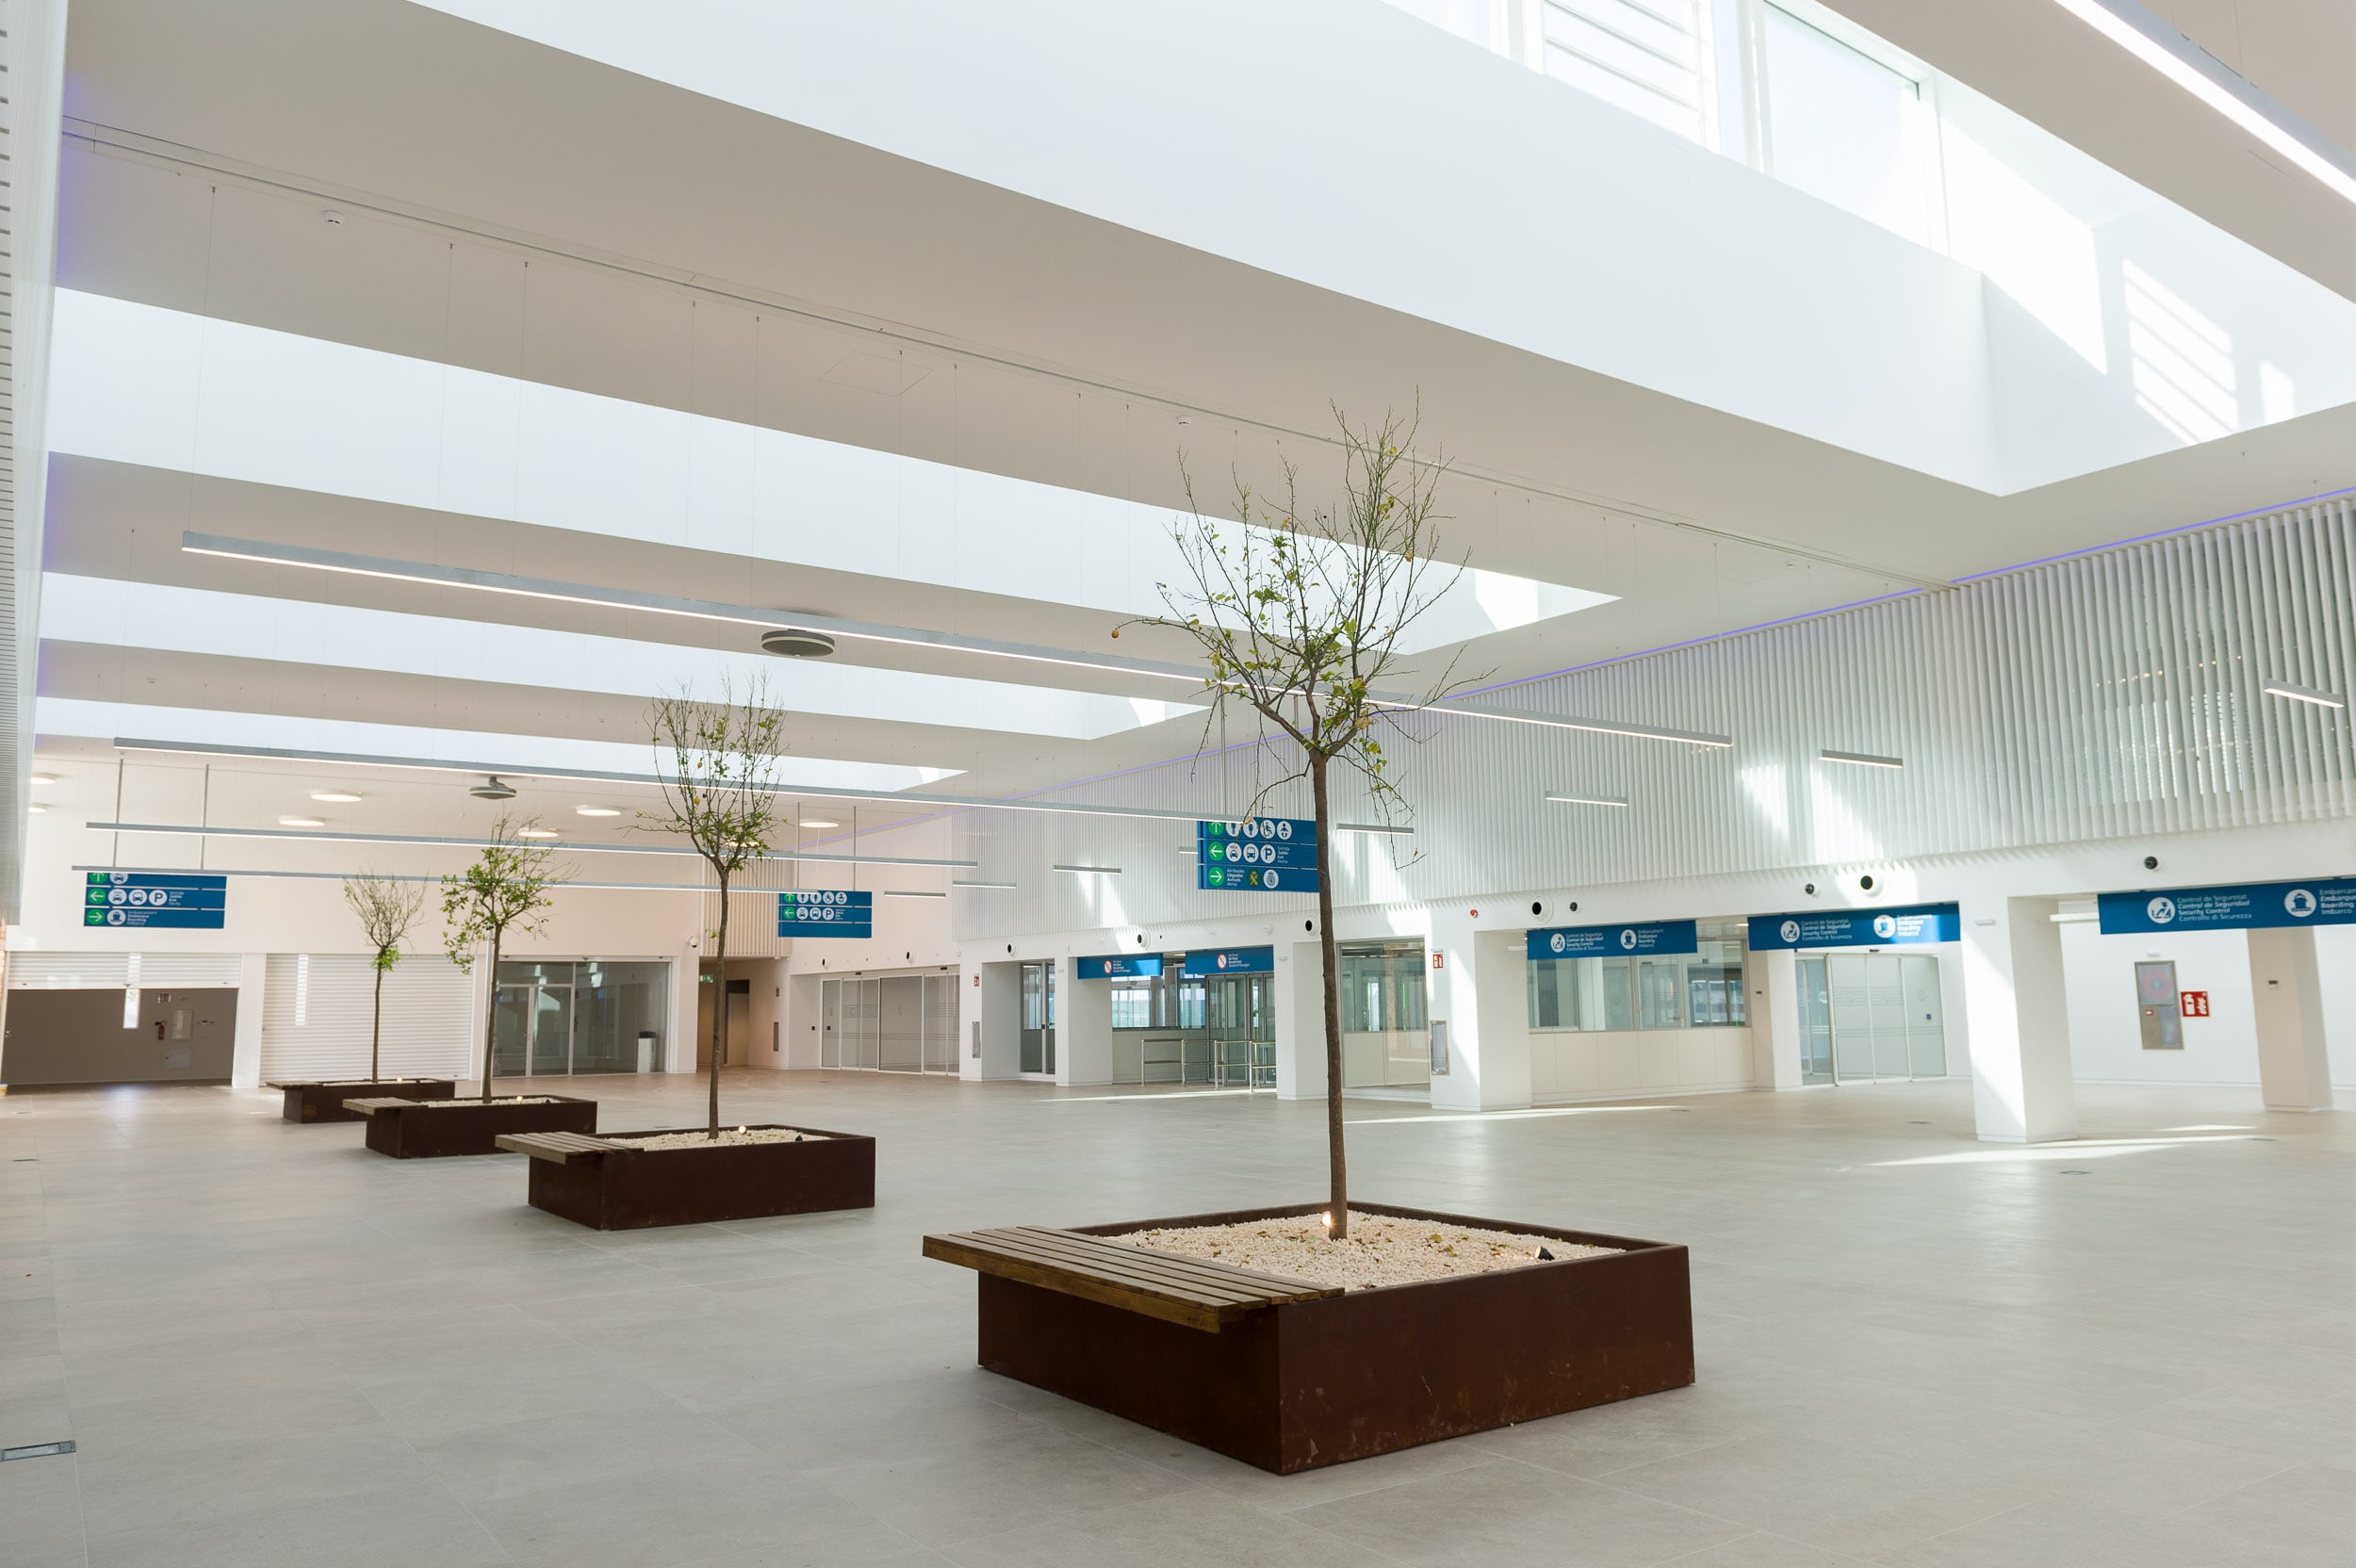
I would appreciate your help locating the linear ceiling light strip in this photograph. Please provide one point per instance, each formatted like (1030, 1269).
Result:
(661, 604)
(310, 835)
(732, 614)
(340, 875)
(587, 776)
(2166, 49)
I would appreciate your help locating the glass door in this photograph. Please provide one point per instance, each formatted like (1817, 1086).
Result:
(1038, 1018)
(1241, 1032)
(1815, 1022)
(511, 1028)
(1884, 1014)
(552, 1031)
(1926, 1017)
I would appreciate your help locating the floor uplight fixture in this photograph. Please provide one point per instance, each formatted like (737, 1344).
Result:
(1860, 758)
(2164, 48)
(2303, 693)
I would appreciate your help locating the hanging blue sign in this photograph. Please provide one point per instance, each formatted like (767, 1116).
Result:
(1601, 942)
(826, 912)
(1121, 966)
(156, 900)
(1229, 960)
(2235, 908)
(1265, 855)
(1908, 927)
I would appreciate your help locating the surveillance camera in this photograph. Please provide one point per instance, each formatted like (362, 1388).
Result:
(1809, 890)
(1865, 884)
(1537, 905)
(1308, 925)
(2150, 862)
(1572, 906)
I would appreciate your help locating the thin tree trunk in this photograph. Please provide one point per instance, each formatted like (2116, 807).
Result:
(719, 1008)
(376, 1023)
(490, 1020)
(1336, 1165)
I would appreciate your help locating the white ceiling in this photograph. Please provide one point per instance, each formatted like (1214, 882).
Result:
(527, 214)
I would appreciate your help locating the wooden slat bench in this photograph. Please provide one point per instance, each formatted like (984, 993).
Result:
(1195, 1292)
(559, 1147)
(369, 1106)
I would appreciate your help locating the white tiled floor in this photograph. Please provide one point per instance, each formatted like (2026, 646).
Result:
(274, 1348)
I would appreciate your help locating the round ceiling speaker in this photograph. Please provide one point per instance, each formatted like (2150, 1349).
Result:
(794, 642)
(493, 788)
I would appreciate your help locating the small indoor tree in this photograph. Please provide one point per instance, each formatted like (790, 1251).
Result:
(1298, 610)
(387, 912)
(718, 762)
(505, 889)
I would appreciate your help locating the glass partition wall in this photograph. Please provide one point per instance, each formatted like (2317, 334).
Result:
(1702, 990)
(889, 1022)
(1174, 1028)
(1385, 1041)
(553, 1019)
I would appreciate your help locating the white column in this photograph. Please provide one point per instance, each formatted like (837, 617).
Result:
(2021, 1090)
(1479, 990)
(1084, 1027)
(678, 1050)
(1299, 996)
(245, 1051)
(997, 1005)
(2286, 989)
(1774, 979)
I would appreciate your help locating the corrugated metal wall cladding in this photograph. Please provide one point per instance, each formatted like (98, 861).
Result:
(2107, 696)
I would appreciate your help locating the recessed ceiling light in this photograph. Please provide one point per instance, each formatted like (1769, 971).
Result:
(819, 822)
(596, 811)
(339, 797)
(37, 809)
(302, 821)
(44, 778)
(535, 833)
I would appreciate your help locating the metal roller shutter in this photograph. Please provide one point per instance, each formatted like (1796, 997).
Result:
(429, 1020)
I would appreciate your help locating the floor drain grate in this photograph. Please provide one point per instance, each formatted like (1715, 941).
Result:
(38, 1450)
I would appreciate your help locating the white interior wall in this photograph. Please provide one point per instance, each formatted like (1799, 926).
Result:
(2105, 1026)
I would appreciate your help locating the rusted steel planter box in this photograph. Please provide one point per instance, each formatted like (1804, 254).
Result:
(419, 1131)
(1305, 1384)
(324, 1102)
(629, 1189)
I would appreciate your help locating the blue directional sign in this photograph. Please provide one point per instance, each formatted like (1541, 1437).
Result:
(1121, 966)
(1907, 928)
(2249, 905)
(1229, 960)
(826, 912)
(1600, 941)
(156, 900)
(1267, 854)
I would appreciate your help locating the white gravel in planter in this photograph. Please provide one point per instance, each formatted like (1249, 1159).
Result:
(698, 1139)
(478, 1100)
(1381, 1250)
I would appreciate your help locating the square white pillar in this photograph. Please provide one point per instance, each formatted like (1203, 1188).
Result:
(2286, 992)
(1479, 989)
(245, 1049)
(1299, 996)
(1774, 979)
(1084, 1027)
(2022, 1089)
(996, 1004)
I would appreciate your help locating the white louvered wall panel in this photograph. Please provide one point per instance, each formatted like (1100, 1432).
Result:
(70, 971)
(170, 971)
(2110, 695)
(430, 1019)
